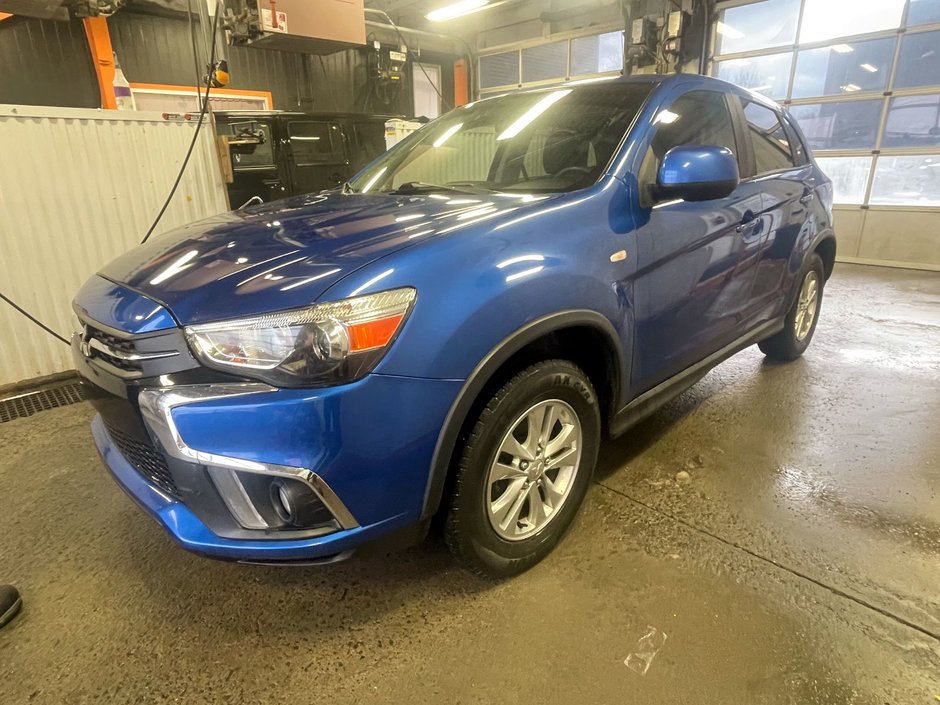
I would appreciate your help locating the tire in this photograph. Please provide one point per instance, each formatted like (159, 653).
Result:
(482, 530)
(796, 335)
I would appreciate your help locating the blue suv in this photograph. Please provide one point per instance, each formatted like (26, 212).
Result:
(451, 333)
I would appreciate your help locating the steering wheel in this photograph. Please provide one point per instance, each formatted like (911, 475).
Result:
(577, 170)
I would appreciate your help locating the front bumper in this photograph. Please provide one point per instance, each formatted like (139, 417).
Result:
(364, 448)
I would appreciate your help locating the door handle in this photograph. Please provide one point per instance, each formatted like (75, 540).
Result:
(744, 227)
(807, 198)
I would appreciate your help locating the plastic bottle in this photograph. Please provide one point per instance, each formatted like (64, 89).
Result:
(122, 89)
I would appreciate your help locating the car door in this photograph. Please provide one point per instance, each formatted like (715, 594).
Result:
(787, 185)
(317, 155)
(695, 259)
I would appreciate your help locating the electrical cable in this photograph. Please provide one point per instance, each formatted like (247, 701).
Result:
(34, 319)
(414, 58)
(192, 145)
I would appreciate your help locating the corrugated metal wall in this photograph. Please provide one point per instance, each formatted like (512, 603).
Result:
(46, 63)
(157, 49)
(43, 62)
(77, 189)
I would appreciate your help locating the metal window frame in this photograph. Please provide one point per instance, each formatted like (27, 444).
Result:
(885, 96)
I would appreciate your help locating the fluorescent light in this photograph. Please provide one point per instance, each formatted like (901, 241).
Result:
(457, 9)
(524, 273)
(869, 68)
(851, 88)
(529, 115)
(521, 258)
(726, 30)
(842, 49)
(448, 133)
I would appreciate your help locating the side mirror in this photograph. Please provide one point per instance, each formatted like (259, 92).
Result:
(694, 172)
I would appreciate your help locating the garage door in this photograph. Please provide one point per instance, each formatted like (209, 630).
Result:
(863, 81)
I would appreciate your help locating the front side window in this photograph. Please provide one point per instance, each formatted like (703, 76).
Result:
(697, 117)
(546, 141)
(772, 150)
(314, 142)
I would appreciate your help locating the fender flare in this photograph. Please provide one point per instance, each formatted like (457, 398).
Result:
(481, 374)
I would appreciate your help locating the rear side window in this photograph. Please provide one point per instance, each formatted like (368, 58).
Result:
(772, 150)
(696, 117)
(315, 143)
(796, 144)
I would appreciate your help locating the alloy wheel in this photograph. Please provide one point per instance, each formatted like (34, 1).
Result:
(534, 470)
(806, 305)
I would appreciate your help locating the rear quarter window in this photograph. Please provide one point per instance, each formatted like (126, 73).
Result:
(769, 139)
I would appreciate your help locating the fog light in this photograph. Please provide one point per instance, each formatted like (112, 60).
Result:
(295, 504)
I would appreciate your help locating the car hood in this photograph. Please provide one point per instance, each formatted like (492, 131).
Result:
(287, 253)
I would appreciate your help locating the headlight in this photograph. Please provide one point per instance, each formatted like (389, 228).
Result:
(326, 343)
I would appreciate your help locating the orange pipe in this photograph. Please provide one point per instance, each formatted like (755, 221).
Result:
(102, 55)
(5, 15)
(461, 83)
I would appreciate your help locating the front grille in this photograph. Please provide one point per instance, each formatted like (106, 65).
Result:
(148, 460)
(119, 345)
(29, 403)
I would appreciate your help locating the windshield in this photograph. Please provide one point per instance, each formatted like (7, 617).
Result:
(546, 141)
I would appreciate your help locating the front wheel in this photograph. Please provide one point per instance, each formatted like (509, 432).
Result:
(524, 470)
(801, 319)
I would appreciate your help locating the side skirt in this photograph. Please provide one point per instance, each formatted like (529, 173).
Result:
(650, 401)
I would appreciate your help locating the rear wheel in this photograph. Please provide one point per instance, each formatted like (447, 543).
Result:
(801, 319)
(524, 470)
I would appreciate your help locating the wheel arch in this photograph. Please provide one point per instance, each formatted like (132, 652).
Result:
(540, 339)
(826, 249)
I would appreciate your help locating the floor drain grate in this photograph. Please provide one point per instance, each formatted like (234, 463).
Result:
(29, 403)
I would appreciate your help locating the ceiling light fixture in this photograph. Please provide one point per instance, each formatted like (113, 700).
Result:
(869, 68)
(842, 49)
(457, 9)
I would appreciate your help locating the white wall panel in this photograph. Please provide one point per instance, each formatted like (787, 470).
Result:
(77, 189)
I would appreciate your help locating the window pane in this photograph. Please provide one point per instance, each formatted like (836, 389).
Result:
(827, 19)
(764, 74)
(923, 11)
(845, 68)
(913, 121)
(849, 177)
(312, 142)
(919, 61)
(844, 125)
(499, 69)
(762, 25)
(261, 155)
(596, 54)
(768, 137)
(545, 61)
(911, 181)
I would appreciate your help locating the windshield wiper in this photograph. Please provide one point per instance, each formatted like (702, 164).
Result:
(410, 187)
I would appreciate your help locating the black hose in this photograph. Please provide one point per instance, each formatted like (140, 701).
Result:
(34, 319)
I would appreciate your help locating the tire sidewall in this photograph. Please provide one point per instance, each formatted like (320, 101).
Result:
(555, 381)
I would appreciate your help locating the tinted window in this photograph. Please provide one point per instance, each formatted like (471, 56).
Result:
(799, 149)
(247, 157)
(772, 149)
(547, 141)
(315, 143)
(698, 117)
(370, 142)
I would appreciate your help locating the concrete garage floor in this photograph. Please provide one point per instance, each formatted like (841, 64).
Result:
(800, 563)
